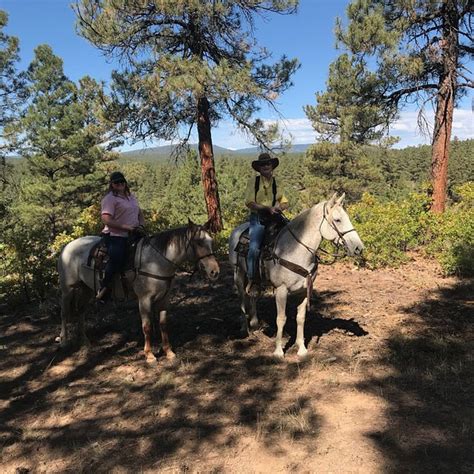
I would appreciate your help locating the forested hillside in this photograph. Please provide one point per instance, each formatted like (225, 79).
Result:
(388, 200)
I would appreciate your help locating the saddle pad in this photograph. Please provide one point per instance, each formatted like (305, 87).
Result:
(98, 254)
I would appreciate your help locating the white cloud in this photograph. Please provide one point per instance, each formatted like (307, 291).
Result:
(300, 131)
(406, 127)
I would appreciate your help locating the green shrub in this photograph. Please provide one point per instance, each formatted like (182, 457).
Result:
(452, 242)
(388, 230)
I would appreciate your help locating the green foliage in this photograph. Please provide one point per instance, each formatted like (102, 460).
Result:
(391, 221)
(182, 52)
(343, 167)
(397, 52)
(389, 230)
(63, 171)
(345, 110)
(27, 267)
(11, 82)
(59, 136)
(453, 235)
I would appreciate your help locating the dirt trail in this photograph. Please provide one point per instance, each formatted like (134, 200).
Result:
(387, 386)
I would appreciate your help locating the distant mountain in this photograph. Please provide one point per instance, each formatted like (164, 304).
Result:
(162, 153)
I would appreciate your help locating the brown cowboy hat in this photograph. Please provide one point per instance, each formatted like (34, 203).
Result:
(263, 159)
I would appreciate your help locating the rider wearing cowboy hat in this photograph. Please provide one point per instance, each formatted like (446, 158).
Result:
(264, 200)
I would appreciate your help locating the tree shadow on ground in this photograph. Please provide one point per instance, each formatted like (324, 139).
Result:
(103, 408)
(429, 387)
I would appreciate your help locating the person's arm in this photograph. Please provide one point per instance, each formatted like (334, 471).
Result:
(282, 202)
(108, 220)
(254, 206)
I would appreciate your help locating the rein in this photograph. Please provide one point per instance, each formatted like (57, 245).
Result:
(189, 243)
(310, 275)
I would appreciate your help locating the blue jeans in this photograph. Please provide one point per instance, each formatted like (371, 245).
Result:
(117, 250)
(256, 234)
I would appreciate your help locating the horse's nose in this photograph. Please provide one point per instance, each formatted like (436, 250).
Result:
(214, 274)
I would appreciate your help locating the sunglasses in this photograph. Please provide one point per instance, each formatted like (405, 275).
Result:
(120, 181)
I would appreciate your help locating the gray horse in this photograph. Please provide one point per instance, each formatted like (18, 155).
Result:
(156, 261)
(293, 266)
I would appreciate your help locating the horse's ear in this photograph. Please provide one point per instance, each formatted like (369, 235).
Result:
(341, 199)
(190, 223)
(332, 201)
(206, 226)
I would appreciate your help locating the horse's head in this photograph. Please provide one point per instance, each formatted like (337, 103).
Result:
(200, 244)
(337, 227)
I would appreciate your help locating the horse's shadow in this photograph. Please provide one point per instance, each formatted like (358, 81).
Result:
(320, 320)
(214, 311)
(223, 322)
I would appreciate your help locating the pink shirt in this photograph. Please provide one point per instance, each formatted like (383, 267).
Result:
(124, 210)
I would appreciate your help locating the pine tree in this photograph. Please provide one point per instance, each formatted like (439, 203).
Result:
(59, 135)
(190, 63)
(346, 120)
(417, 51)
(12, 91)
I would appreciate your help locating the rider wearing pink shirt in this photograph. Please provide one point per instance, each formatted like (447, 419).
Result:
(121, 214)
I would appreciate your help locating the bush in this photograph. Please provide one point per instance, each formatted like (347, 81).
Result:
(388, 230)
(452, 241)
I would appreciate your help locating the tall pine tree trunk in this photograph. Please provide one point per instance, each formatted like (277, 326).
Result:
(208, 172)
(445, 107)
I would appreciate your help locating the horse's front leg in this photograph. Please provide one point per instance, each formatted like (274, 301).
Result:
(281, 294)
(146, 314)
(164, 336)
(300, 319)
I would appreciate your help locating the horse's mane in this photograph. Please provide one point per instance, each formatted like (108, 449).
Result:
(300, 221)
(163, 239)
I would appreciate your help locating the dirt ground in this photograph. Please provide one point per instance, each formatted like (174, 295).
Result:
(388, 385)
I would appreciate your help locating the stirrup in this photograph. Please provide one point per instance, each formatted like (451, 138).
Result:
(101, 295)
(252, 289)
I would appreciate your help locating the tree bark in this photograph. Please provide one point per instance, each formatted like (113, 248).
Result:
(208, 172)
(444, 107)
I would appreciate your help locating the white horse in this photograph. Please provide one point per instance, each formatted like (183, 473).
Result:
(293, 266)
(156, 261)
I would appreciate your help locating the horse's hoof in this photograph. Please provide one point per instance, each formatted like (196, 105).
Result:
(279, 354)
(170, 355)
(253, 323)
(302, 355)
(150, 359)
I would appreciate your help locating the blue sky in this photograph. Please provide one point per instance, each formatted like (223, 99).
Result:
(307, 36)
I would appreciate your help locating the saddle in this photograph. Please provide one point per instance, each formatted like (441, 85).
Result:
(273, 226)
(98, 257)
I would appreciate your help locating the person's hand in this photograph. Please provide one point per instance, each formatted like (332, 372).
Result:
(275, 210)
(140, 230)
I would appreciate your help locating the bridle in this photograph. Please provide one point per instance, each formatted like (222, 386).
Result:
(190, 243)
(333, 226)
